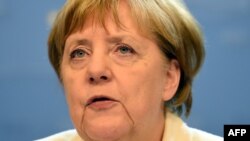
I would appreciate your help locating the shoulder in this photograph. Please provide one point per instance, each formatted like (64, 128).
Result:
(177, 130)
(68, 135)
(199, 135)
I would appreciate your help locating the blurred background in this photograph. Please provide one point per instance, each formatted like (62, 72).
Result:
(32, 103)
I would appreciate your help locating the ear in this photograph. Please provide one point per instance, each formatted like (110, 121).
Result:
(172, 79)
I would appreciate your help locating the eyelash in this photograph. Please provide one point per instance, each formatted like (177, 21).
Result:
(74, 54)
(128, 49)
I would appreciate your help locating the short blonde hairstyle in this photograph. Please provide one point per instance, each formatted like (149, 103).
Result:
(176, 32)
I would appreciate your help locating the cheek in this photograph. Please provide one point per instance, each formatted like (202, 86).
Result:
(72, 84)
(72, 89)
(76, 109)
(142, 89)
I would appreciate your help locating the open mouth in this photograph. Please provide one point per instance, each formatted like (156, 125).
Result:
(97, 99)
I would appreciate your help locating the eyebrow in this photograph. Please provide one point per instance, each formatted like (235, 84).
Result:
(115, 39)
(111, 40)
(84, 42)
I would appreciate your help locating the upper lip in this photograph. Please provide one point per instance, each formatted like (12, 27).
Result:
(98, 98)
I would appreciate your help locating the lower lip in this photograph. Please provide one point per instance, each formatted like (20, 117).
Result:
(102, 105)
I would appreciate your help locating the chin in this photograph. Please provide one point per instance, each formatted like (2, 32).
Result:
(107, 125)
(107, 130)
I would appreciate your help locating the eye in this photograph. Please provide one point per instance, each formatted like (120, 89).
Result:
(78, 53)
(124, 49)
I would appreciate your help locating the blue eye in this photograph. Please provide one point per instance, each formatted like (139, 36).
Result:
(78, 53)
(125, 50)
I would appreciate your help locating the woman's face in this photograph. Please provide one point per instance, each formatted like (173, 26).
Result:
(116, 80)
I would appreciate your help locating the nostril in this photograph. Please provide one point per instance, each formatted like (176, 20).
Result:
(92, 79)
(104, 77)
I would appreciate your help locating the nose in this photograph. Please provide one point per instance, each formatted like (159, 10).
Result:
(98, 70)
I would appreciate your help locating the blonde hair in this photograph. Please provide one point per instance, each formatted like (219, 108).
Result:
(175, 30)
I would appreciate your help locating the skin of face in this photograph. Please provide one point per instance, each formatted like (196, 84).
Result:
(127, 71)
